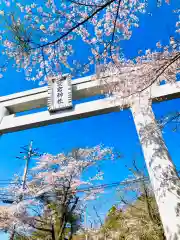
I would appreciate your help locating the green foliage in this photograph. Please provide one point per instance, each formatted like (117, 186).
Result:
(138, 221)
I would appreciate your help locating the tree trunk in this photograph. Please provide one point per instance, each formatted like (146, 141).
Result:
(53, 233)
(12, 235)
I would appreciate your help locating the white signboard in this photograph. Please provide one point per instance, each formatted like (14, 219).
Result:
(59, 93)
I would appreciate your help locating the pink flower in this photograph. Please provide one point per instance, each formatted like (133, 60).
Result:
(108, 33)
(7, 3)
(119, 25)
(158, 45)
(8, 44)
(108, 16)
(94, 40)
(39, 9)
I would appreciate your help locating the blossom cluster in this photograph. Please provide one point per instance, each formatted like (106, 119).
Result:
(125, 80)
(42, 38)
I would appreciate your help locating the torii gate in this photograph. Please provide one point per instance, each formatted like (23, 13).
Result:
(161, 170)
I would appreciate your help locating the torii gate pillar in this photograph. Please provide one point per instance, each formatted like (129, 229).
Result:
(163, 176)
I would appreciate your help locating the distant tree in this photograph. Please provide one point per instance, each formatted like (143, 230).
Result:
(171, 119)
(53, 201)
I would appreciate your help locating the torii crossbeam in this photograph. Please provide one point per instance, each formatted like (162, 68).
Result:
(159, 164)
(81, 88)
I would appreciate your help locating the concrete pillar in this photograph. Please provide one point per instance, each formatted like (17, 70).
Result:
(162, 173)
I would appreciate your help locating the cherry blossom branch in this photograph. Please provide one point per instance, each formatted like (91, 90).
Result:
(162, 69)
(84, 4)
(77, 25)
(114, 28)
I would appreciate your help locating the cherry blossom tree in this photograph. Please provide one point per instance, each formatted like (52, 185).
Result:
(55, 194)
(42, 38)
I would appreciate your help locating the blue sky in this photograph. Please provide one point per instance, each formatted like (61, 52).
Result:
(115, 129)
